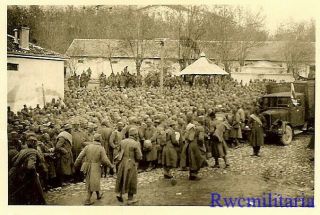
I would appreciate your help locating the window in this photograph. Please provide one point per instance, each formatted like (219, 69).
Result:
(312, 68)
(12, 66)
(283, 102)
(80, 61)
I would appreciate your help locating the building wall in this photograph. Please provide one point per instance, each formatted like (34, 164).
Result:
(25, 85)
(99, 65)
(246, 77)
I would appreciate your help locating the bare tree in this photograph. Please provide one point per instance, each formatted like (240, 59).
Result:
(236, 30)
(72, 65)
(190, 31)
(224, 27)
(108, 51)
(298, 47)
(296, 53)
(138, 28)
(250, 31)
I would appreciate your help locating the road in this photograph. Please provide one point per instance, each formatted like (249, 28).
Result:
(285, 170)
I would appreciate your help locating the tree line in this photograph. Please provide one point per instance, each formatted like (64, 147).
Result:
(55, 27)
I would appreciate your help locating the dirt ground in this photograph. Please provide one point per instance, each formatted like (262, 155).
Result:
(285, 170)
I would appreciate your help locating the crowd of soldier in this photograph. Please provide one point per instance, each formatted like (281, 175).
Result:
(180, 129)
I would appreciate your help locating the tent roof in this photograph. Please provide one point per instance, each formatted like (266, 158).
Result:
(203, 66)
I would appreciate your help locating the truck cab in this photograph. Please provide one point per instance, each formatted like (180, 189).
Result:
(283, 114)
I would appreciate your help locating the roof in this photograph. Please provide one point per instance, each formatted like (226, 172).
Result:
(203, 66)
(282, 94)
(34, 51)
(119, 48)
(268, 51)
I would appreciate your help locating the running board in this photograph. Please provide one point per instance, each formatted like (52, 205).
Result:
(295, 132)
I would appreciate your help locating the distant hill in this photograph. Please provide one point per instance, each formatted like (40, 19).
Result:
(164, 12)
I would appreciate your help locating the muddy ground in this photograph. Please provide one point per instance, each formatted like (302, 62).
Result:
(285, 170)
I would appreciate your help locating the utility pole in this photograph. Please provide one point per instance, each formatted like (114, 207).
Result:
(162, 66)
(43, 96)
(161, 41)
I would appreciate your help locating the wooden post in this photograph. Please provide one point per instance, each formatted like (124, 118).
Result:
(43, 96)
(162, 67)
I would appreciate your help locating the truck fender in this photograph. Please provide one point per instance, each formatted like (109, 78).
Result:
(283, 125)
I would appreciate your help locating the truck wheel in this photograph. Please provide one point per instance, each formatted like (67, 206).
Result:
(287, 136)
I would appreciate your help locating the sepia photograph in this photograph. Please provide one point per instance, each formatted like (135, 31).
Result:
(209, 105)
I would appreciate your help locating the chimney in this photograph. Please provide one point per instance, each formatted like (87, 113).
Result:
(24, 38)
(16, 36)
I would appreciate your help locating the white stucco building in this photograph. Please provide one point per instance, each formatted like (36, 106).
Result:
(263, 70)
(34, 75)
(262, 62)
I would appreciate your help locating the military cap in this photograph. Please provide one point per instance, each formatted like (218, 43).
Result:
(13, 133)
(133, 131)
(67, 126)
(201, 118)
(31, 136)
(97, 137)
(189, 115)
(105, 121)
(46, 136)
(120, 124)
(172, 122)
(133, 119)
(75, 122)
(91, 125)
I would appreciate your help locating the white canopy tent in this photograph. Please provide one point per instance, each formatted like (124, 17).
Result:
(203, 66)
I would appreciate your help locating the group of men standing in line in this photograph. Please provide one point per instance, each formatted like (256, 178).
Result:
(76, 81)
(121, 80)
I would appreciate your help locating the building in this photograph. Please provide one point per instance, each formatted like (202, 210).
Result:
(35, 75)
(106, 55)
(268, 61)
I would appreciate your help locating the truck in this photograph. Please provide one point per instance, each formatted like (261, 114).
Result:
(288, 109)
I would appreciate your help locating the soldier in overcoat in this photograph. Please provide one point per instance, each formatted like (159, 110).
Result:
(127, 175)
(106, 132)
(192, 155)
(256, 138)
(63, 150)
(151, 152)
(90, 159)
(169, 153)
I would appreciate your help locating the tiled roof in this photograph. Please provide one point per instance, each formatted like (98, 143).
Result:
(34, 50)
(268, 51)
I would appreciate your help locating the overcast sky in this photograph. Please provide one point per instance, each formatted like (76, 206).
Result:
(280, 11)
